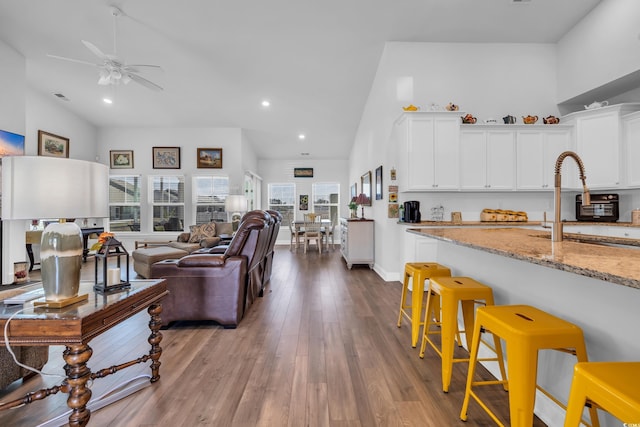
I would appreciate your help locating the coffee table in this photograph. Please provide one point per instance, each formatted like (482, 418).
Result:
(74, 326)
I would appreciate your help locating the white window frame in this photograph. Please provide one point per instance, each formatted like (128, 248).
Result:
(278, 207)
(152, 203)
(220, 203)
(336, 212)
(113, 204)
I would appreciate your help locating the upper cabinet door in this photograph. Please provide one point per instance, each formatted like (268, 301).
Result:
(429, 150)
(536, 153)
(487, 159)
(632, 145)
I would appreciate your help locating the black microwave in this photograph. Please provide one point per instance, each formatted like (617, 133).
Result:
(603, 208)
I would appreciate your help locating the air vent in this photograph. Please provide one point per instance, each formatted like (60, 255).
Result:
(304, 154)
(520, 1)
(61, 96)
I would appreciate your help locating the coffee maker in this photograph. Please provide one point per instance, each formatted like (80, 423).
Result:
(412, 211)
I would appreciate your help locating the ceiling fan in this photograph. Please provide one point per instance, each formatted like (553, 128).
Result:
(113, 71)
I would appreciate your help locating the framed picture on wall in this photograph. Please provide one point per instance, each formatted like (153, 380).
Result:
(210, 158)
(52, 145)
(303, 172)
(365, 184)
(166, 157)
(354, 191)
(121, 159)
(304, 202)
(379, 183)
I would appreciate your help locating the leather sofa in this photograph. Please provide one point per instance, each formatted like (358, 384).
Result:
(268, 258)
(206, 286)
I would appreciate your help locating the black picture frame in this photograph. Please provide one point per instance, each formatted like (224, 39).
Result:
(303, 172)
(379, 183)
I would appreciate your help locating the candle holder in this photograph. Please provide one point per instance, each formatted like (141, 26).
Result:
(110, 279)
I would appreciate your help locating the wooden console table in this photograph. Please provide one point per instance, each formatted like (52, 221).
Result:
(74, 326)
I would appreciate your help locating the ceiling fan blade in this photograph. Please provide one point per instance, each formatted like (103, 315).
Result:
(144, 82)
(78, 61)
(97, 52)
(126, 67)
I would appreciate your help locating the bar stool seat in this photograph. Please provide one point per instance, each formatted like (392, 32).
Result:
(419, 271)
(453, 291)
(611, 386)
(525, 330)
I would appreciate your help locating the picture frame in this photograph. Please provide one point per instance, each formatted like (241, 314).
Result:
(304, 202)
(354, 191)
(11, 144)
(210, 158)
(121, 159)
(379, 183)
(52, 145)
(365, 185)
(303, 172)
(166, 157)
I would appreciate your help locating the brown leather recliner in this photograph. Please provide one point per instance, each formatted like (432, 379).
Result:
(215, 287)
(268, 259)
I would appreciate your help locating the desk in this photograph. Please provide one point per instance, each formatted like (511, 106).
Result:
(32, 238)
(74, 326)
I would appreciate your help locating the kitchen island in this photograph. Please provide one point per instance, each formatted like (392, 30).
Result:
(594, 285)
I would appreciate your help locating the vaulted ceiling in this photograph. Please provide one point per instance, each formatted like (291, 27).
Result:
(313, 60)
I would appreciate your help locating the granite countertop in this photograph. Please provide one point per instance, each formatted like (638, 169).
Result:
(509, 224)
(587, 255)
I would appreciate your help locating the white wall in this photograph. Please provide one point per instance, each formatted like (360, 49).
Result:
(45, 112)
(12, 118)
(235, 154)
(604, 46)
(486, 80)
(281, 171)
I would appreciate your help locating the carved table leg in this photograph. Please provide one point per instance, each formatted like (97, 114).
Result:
(78, 374)
(154, 339)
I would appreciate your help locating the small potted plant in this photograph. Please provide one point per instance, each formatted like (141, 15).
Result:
(353, 208)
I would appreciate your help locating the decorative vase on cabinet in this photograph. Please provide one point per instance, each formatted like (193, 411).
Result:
(356, 244)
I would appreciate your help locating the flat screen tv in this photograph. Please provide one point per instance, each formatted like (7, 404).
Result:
(11, 144)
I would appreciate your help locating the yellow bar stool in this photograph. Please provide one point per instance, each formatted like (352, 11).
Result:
(525, 330)
(419, 271)
(611, 386)
(453, 292)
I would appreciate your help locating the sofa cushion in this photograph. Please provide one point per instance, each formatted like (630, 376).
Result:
(202, 231)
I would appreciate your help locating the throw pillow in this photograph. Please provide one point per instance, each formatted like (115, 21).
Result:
(199, 232)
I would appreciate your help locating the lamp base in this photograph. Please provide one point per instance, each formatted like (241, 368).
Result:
(61, 303)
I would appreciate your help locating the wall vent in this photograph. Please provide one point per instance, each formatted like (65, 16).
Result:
(520, 1)
(61, 96)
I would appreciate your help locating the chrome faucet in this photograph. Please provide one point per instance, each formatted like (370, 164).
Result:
(556, 231)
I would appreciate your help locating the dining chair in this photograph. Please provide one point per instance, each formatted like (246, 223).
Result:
(297, 235)
(312, 231)
(328, 230)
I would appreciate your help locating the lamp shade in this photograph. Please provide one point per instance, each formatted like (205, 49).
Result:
(235, 203)
(50, 187)
(362, 199)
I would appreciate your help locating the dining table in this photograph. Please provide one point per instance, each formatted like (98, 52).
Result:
(298, 226)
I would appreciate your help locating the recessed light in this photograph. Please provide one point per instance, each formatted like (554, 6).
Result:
(266, 103)
(301, 136)
(107, 101)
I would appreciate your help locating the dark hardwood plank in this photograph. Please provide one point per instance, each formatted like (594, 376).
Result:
(321, 348)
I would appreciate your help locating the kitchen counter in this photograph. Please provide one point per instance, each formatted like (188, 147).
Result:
(511, 224)
(594, 259)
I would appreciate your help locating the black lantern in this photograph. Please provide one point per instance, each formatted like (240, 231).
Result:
(111, 279)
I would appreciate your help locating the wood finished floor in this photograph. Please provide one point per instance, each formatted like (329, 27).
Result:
(320, 349)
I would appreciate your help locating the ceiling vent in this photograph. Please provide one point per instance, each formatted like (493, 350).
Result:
(61, 96)
(520, 1)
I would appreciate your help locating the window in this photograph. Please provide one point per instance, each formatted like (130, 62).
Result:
(282, 198)
(209, 194)
(326, 199)
(124, 203)
(167, 200)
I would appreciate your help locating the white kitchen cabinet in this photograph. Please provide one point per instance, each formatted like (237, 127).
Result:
(631, 138)
(429, 150)
(598, 138)
(487, 159)
(356, 241)
(536, 152)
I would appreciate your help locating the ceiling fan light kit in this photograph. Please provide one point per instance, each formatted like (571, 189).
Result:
(112, 71)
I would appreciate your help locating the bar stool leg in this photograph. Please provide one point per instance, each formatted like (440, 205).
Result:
(417, 295)
(523, 362)
(473, 356)
(405, 288)
(449, 326)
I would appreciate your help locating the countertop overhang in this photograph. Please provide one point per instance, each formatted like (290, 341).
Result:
(595, 259)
